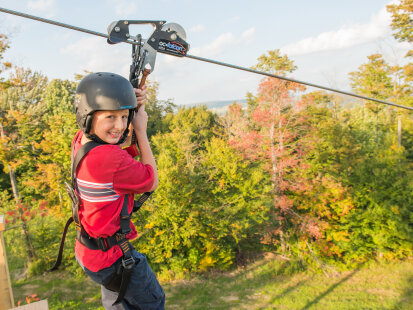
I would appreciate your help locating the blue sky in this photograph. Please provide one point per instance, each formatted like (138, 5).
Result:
(326, 40)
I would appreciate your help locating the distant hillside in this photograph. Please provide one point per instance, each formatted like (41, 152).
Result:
(219, 107)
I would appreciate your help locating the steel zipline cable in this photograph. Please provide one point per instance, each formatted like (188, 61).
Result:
(48, 21)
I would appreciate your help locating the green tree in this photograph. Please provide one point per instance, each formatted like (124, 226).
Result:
(53, 162)
(203, 214)
(360, 189)
(20, 130)
(157, 110)
(22, 121)
(373, 80)
(402, 21)
(4, 45)
(275, 63)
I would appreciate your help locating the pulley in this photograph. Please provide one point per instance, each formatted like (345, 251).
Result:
(165, 38)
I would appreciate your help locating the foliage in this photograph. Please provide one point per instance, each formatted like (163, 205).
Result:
(4, 45)
(402, 21)
(275, 63)
(157, 111)
(28, 299)
(321, 180)
(368, 215)
(204, 205)
(373, 80)
(276, 134)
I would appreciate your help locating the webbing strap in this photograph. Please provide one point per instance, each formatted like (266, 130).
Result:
(84, 149)
(137, 204)
(125, 217)
(127, 260)
(126, 273)
(62, 243)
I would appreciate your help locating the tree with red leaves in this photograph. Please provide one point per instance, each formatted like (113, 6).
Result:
(277, 136)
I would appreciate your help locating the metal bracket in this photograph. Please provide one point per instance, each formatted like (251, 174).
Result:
(168, 40)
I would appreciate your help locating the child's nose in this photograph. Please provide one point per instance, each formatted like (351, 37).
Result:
(119, 123)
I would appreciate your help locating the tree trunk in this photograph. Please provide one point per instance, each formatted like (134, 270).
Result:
(14, 184)
(29, 246)
(273, 162)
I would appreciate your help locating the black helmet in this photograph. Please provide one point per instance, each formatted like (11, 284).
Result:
(103, 91)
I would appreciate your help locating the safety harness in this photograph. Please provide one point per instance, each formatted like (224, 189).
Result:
(123, 269)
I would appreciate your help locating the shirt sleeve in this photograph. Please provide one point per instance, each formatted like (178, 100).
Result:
(132, 176)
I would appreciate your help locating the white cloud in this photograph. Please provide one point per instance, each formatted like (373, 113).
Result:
(94, 54)
(123, 8)
(346, 36)
(47, 7)
(197, 28)
(248, 34)
(224, 41)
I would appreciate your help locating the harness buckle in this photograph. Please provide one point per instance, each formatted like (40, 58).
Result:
(128, 263)
(102, 244)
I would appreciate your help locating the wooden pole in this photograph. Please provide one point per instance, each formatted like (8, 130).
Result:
(6, 292)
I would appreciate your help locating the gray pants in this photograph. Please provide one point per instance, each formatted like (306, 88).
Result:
(108, 298)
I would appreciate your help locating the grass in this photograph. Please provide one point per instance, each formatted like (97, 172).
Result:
(270, 283)
(61, 289)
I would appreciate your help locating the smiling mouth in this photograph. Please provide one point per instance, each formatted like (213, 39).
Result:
(115, 135)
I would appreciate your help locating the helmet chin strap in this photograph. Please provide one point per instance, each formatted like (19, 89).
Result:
(95, 138)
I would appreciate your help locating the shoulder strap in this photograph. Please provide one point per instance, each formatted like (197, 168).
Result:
(81, 153)
(84, 149)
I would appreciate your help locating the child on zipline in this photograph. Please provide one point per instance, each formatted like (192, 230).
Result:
(106, 179)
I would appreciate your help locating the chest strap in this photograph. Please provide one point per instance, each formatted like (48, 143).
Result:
(105, 244)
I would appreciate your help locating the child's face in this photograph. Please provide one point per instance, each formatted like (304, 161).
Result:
(109, 125)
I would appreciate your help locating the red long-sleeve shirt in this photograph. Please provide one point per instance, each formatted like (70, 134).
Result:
(104, 176)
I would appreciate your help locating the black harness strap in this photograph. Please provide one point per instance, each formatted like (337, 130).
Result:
(62, 243)
(84, 149)
(137, 204)
(127, 260)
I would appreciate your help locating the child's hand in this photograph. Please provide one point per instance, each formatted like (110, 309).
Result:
(140, 119)
(141, 95)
